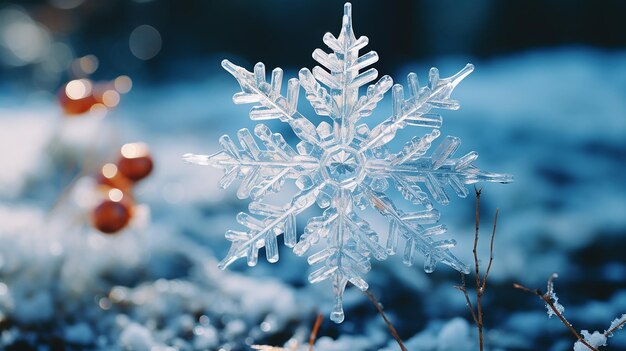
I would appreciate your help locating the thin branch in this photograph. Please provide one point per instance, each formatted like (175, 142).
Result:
(481, 284)
(615, 328)
(463, 288)
(316, 327)
(548, 300)
(523, 288)
(479, 289)
(493, 235)
(478, 192)
(393, 331)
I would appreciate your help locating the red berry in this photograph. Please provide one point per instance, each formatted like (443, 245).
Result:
(76, 97)
(113, 213)
(135, 162)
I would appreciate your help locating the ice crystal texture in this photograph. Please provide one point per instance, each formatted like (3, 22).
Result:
(344, 166)
(595, 339)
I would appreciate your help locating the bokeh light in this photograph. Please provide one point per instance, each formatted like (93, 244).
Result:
(123, 84)
(78, 89)
(134, 150)
(145, 42)
(109, 170)
(22, 40)
(115, 195)
(110, 98)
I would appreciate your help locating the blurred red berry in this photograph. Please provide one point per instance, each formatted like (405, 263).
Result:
(135, 162)
(76, 97)
(113, 213)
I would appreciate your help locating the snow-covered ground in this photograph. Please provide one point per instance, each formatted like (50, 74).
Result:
(556, 120)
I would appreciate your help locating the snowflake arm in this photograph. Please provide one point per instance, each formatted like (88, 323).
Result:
(263, 228)
(262, 171)
(341, 75)
(414, 111)
(409, 227)
(346, 257)
(271, 104)
(409, 168)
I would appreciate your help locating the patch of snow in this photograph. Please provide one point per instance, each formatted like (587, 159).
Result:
(596, 340)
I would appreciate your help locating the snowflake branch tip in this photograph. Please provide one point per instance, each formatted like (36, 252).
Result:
(202, 160)
(459, 76)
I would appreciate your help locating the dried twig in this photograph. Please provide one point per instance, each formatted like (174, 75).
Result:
(493, 235)
(316, 327)
(379, 308)
(481, 283)
(547, 298)
(479, 292)
(463, 288)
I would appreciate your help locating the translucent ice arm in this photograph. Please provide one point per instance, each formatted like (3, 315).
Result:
(409, 168)
(318, 96)
(414, 111)
(409, 227)
(350, 243)
(262, 229)
(367, 103)
(261, 171)
(270, 103)
(340, 72)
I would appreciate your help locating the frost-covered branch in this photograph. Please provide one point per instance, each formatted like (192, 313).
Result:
(586, 341)
(618, 323)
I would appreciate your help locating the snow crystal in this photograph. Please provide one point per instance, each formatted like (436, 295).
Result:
(555, 301)
(343, 165)
(618, 323)
(596, 339)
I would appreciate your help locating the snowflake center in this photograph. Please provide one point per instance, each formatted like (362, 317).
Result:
(343, 166)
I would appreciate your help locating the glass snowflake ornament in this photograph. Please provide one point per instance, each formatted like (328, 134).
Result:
(344, 166)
